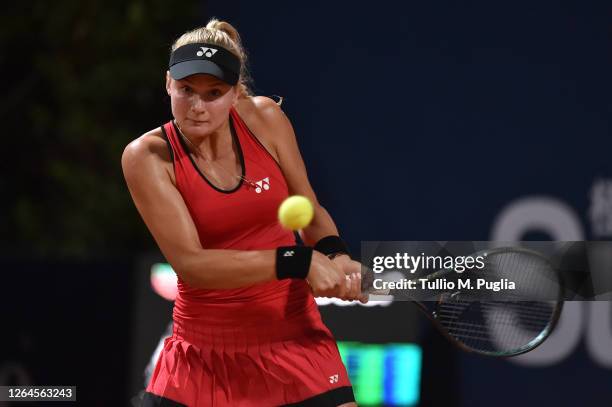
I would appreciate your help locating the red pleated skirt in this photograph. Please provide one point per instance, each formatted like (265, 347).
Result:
(259, 346)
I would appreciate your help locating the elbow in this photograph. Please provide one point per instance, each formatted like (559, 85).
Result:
(190, 273)
(184, 274)
(318, 208)
(321, 216)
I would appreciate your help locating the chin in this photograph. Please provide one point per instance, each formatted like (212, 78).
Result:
(195, 124)
(199, 127)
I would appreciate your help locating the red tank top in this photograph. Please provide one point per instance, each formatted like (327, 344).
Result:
(244, 218)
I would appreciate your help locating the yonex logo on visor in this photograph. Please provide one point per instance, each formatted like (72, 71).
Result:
(208, 52)
(203, 58)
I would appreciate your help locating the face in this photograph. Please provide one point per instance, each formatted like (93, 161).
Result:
(200, 103)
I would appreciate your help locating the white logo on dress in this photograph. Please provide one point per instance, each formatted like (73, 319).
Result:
(207, 52)
(289, 253)
(263, 184)
(333, 379)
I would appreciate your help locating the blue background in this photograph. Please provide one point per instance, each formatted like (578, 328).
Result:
(422, 120)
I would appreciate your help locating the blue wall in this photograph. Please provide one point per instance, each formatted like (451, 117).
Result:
(440, 111)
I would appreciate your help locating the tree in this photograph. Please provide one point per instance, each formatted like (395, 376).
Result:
(84, 78)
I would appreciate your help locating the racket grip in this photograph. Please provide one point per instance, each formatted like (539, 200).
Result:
(367, 283)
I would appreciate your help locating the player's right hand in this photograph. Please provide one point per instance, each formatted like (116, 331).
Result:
(325, 277)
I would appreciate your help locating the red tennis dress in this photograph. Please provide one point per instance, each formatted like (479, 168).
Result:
(261, 345)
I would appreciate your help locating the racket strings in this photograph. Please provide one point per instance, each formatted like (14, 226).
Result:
(477, 332)
(507, 321)
(495, 327)
(534, 278)
(452, 322)
(537, 311)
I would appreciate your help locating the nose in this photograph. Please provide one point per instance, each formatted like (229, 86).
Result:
(198, 104)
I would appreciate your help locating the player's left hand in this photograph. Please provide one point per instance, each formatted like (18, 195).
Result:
(352, 271)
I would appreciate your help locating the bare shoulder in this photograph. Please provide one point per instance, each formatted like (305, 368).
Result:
(149, 151)
(266, 120)
(150, 143)
(260, 107)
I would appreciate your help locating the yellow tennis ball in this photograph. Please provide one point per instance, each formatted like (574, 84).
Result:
(295, 212)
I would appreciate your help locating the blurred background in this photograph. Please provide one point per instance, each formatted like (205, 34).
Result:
(417, 121)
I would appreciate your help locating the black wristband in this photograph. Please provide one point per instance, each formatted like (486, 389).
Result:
(293, 261)
(332, 245)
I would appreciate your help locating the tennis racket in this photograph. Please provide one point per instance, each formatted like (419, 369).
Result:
(506, 324)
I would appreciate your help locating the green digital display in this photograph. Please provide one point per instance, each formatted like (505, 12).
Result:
(383, 374)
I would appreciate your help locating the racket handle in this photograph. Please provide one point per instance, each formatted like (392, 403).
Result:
(367, 283)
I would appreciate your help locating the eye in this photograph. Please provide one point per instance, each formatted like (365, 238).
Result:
(215, 92)
(186, 89)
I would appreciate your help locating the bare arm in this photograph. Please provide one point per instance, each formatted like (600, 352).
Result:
(284, 142)
(147, 167)
(145, 164)
(286, 148)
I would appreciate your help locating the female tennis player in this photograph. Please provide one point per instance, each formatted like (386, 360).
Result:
(247, 331)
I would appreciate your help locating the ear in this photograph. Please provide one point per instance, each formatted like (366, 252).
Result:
(168, 80)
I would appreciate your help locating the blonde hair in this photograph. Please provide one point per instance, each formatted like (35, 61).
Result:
(222, 34)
